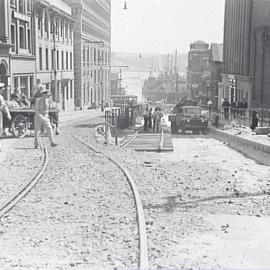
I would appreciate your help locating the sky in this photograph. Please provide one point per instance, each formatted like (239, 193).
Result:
(161, 26)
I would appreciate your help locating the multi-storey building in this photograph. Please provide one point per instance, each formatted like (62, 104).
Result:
(246, 51)
(17, 46)
(216, 67)
(92, 51)
(54, 49)
(198, 71)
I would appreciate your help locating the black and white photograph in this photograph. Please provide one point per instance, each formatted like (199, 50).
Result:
(134, 135)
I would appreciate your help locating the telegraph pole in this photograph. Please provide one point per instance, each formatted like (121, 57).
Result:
(176, 75)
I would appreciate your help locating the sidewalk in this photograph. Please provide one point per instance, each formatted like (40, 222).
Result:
(256, 147)
(244, 132)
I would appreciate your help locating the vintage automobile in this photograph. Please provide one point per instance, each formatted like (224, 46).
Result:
(188, 118)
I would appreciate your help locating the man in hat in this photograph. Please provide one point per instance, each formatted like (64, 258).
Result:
(42, 116)
(14, 102)
(3, 107)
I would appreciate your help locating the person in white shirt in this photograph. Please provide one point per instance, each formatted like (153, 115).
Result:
(42, 117)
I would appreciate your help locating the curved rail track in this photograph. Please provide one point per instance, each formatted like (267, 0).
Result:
(22, 190)
(143, 252)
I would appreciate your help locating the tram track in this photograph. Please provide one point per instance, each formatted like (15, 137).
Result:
(8, 203)
(143, 247)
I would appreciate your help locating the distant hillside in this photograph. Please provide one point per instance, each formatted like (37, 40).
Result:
(155, 62)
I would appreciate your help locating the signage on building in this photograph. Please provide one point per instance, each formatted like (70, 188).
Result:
(21, 16)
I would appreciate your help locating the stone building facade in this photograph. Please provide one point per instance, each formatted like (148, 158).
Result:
(246, 51)
(216, 67)
(17, 46)
(92, 51)
(198, 71)
(54, 50)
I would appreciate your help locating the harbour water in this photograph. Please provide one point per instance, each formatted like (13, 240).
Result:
(133, 79)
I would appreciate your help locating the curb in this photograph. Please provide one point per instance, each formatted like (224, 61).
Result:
(256, 151)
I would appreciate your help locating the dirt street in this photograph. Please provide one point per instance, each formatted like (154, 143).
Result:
(206, 206)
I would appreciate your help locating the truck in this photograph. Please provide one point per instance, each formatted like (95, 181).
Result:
(187, 115)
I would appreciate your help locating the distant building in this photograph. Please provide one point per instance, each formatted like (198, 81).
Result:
(92, 51)
(216, 67)
(198, 71)
(246, 52)
(17, 46)
(54, 50)
(163, 88)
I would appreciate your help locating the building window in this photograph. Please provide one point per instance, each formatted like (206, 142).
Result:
(62, 29)
(71, 62)
(66, 60)
(40, 58)
(24, 85)
(84, 94)
(70, 31)
(46, 26)
(67, 91)
(22, 37)
(28, 6)
(52, 59)
(66, 30)
(47, 59)
(51, 24)
(21, 6)
(13, 38)
(71, 89)
(63, 65)
(13, 3)
(57, 59)
(88, 93)
(29, 39)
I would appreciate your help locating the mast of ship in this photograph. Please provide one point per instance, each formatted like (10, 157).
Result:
(176, 76)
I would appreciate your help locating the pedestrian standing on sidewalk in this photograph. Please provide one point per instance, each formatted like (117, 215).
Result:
(155, 114)
(210, 105)
(42, 117)
(3, 108)
(146, 117)
(254, 120)
(226, 107)
(158, 119)
(150, 118)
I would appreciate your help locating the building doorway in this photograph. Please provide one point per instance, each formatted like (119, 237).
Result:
(4, 78)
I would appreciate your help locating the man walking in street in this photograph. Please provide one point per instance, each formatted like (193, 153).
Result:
(42, 117)
(3, 108)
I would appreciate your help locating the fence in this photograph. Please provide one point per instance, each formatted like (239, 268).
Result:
(243, 117)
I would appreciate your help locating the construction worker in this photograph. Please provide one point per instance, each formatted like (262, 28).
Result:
(42, 116)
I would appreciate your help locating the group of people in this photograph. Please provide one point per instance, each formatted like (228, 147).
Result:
(239, 108)
(40, 102)
(236, 108)
(152, 119)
